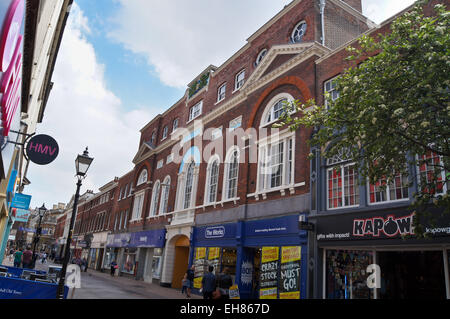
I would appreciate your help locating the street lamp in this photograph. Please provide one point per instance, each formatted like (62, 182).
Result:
(82, 164)
(41, 211)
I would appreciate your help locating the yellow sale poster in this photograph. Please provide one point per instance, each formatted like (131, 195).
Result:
(290, 253)
(269, 273)
(269, 254)
(289, 283)
(200, 253)
(214, 253)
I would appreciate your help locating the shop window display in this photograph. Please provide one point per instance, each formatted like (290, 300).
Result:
(346, 274)
(156, 263)
(110, 257)
(129, 261)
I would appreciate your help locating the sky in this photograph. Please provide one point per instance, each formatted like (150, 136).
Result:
(122, 62)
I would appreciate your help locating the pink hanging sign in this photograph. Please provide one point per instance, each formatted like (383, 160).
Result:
(11, 63)
(10, 32)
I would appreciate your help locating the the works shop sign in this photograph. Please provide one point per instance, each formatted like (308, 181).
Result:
(376, 225)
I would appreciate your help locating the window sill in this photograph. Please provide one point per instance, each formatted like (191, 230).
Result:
(193, 119)
(281, 189)
(215, 204)
(236, 90)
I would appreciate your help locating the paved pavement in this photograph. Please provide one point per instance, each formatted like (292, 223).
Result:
(101, 285)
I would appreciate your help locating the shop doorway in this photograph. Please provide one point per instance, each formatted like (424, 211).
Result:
(412, 275)
(181, 261)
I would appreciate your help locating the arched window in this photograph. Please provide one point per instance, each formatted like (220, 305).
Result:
(164, 195)
(276, 107)
(155, 199)
(298, 32)
(231, 174)
(260, 56)
(142, 178)
(188, 186)
(212, 181)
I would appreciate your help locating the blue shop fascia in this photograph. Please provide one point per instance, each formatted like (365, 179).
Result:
(138, 254)
(267, 258)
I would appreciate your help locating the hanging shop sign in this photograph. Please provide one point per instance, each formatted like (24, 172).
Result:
(392, 224)
(42, 149)
(21, 201)
(269, 273)
(289, 283)
(22, 215)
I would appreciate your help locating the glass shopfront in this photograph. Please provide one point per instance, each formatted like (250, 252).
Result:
(110, 256)
(93, 258)
(410, 274)
(129, 261)
(156, 263)
(346, 274)
(217, 257)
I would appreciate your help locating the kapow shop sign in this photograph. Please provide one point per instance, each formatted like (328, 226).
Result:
(379, 226)
(392, 224)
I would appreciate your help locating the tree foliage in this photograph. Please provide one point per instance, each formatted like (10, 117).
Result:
(393, 107)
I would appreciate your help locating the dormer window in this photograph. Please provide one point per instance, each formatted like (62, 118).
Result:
(298, 32)
(260, 56)
(239, 81)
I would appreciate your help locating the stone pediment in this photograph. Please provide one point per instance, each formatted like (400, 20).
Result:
(145, 148)
(281, 57)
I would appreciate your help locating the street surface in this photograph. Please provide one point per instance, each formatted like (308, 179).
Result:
(98, 285)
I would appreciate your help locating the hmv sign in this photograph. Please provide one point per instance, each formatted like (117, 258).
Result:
(42, 149)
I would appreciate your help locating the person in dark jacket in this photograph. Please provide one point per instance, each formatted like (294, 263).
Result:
(113, 268)
(209, 283)
(223, 283)
(190, 277)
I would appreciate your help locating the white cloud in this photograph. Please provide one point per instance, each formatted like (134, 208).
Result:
(380, 10)
(180, 38)
(82, 112)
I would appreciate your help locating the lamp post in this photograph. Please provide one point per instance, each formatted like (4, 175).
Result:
(82, 164)
(42, 210)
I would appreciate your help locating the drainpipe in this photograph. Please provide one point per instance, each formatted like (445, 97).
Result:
(322, 9)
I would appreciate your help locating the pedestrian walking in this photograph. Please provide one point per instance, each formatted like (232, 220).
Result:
(224, 282)
(209, 283)
(184, 284)
(18, 255)
(84, 264)
(190, 277)
(114, 266)
(11, 254)
(44, 258)
(27, 259)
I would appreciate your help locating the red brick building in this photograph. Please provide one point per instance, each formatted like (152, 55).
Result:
(198, 170)
(213, 182)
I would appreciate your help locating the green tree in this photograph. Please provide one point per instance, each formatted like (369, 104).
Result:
(393, 107)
